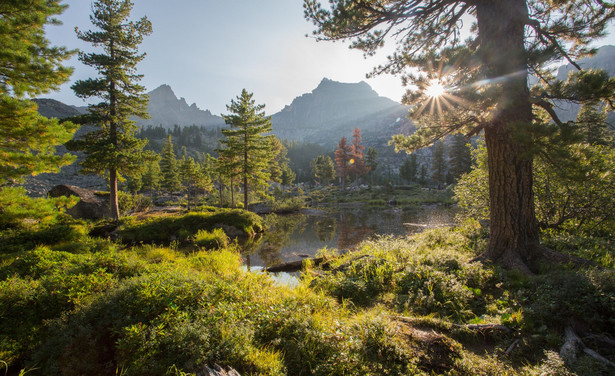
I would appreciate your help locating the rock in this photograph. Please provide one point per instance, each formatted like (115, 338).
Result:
(90, 205)
(216, 370)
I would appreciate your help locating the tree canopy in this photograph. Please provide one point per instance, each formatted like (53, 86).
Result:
(29, 66)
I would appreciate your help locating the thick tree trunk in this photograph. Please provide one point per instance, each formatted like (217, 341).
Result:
(513, 239)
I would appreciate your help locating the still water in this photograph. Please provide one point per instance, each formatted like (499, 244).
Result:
(296, 236)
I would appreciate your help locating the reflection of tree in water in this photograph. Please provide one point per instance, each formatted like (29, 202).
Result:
(325, 228)
(352, 229)
(270, 245)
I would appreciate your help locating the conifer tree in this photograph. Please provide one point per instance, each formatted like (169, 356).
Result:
(438, 164)
(247, 141)
(29, 66)
(480, 83)
(409, 168)
(169, 168)
(593, 126)
(460, 157)
(371, 162)
(113, 147)
(342, 161)
(151, 176)
(323, 169)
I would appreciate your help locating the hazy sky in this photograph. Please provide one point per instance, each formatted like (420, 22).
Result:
(209, 50)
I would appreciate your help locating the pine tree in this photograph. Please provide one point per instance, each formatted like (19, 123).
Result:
(29, 66)
(169, 168)
(288, 176)
(409, 169)
(593, 125)
(113, 147)
(480, 83)
(438, 164)
(323, 169)
(246, 141)
(152, 176)
(371, 162)
(460, 157)
(342, 161)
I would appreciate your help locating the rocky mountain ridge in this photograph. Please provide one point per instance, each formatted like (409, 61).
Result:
(333, 109)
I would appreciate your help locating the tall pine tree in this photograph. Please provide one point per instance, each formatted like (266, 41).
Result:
(480, 83)
(113, 148)
(29, 66)
(169, 167)
(248, 143)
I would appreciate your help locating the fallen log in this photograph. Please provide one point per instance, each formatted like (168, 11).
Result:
(485, 327)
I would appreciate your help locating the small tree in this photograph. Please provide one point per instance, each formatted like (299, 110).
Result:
(169, 168)
(28, 67)
(438, 164)
(152, 176)
(460, 157)
(113, 147)
(342, 161)
(409, 168)
(323, 169)
(371, 162)
(247, 143)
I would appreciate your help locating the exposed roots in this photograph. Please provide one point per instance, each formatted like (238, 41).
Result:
(513, 261)
(573, 345)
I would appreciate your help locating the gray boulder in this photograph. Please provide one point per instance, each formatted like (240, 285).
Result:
(90, 206)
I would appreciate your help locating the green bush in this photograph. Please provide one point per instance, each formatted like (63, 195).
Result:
(129, 202)
(215, 239)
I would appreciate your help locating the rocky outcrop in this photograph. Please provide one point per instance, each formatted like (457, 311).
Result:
(52, 108)
(90, 206)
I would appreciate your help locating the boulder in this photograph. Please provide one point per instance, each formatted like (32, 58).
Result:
(90, 206)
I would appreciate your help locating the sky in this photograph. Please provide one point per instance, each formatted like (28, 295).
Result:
(209, 50)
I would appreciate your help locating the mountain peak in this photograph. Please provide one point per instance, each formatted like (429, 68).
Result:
(167, 110)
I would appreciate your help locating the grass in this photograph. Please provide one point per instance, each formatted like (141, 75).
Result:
(405, 196)
(75, 305)
(163, 230)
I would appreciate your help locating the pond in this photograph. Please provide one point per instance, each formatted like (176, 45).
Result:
(296, 236)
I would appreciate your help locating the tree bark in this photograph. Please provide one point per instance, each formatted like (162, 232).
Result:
(513, 238)
(114, 207)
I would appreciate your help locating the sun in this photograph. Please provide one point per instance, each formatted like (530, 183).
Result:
(435, 89)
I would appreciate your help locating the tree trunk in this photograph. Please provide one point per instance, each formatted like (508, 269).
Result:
(513, 238)
(113, 204)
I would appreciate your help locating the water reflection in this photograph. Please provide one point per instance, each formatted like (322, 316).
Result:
(295, 236)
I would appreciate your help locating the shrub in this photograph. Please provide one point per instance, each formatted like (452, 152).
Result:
(215, 239)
